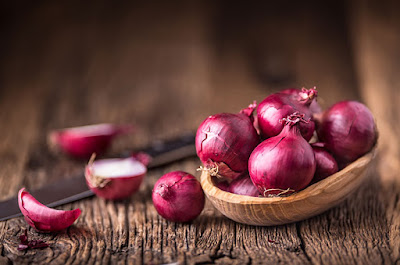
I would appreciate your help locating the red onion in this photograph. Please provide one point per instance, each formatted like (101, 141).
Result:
(284, 163)
(115, 179)
(348, 130)
(178, 196)
(244, 186)
(82, 142)
(43, 218)
(279, 105)
(326, 164)
(225, 141)
(221, 184)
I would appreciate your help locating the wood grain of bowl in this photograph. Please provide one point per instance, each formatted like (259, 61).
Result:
(304, 204)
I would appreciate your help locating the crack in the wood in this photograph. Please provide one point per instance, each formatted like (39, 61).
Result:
(302, 244)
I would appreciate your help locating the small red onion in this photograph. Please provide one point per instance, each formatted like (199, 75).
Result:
(326, 164)
(243, 186)
(348, 130)
(82, 142)
(115, 179)
(279, 105)
(225, 141)
(284, 163)
(178, 197)
(43, 218)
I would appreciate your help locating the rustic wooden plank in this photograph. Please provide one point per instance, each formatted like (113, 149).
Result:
(375, 28)
(109, 63)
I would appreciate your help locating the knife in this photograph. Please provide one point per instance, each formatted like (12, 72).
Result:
(74, 188)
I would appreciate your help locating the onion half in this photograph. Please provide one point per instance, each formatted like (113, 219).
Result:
(115, 179)
(82, 142)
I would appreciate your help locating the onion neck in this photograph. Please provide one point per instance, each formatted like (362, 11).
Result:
(164, 191)
(249, 110)
(306, 96)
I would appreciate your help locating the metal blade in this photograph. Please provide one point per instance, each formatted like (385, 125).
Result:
(74, 188)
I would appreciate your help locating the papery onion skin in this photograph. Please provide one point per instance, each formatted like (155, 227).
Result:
(43, 218)
(284, 163)
(178, 197)
(326, 164)
(280, 105)
(348, 130)
(243, 186)
(116, 188)
(225, 141)
(80, 146)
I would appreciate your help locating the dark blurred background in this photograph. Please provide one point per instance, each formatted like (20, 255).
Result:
(166, 65)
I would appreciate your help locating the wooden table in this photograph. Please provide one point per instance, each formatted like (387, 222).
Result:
(166, 67)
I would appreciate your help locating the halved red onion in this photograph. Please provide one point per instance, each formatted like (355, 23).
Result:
(348, 130)
(326, 164)
(82, 142)
(280, 105)
(43, 218)
(115, 179)
(284, 163)
(225, 141)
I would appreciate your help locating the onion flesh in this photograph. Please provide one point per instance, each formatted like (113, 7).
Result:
(82, 142)
(115, 179)
(178, 197)
(225, 141)
(284, 163)
(348, 130)
(43, 218)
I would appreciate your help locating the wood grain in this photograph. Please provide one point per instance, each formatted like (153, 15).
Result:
(376, 29)
(165, 67)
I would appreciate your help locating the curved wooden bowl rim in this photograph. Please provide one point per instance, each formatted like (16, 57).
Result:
(311, 191)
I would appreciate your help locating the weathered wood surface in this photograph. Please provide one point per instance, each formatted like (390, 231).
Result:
(166, 67)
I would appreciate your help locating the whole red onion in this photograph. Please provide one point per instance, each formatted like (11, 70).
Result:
(326, 164)
(348, 130)
(243, 186)
(284, 163)
(279, 105)
(178, 196)
(225, 141)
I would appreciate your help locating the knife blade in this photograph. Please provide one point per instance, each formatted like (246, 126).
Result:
(74, 188)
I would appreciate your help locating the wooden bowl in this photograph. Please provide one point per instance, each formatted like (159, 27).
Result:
(301, 205)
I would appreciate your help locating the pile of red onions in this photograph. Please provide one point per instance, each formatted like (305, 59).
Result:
(286, 161)
(225, 141)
